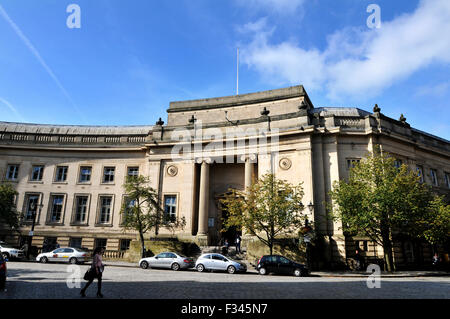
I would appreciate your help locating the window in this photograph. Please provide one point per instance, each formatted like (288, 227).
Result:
(433, 175)
(31, 200)
(68, 250)
(351, 163)
(12, 172)
(56, 209)
(37, 173)
(398, 163)
(105, 209)
(108, 174)
(129, 204)
(447, 179)
(100, 242)
(81, 207)
(61, 174)
(133, 171)
(75, 242)
(170, 208)
(284, 261)
(419, 170)
(85, 174)
(125, 244)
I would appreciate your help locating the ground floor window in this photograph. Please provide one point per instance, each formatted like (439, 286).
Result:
(75, 242)
(170, 208)
(125, 244)
(100, 242)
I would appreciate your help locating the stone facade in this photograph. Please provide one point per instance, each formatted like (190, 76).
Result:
(295, 140)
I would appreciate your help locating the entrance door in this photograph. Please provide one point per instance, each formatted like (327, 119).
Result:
(230, 233)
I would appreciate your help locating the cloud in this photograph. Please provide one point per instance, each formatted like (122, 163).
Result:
(357, 62)
(437, 90)
(12, 109)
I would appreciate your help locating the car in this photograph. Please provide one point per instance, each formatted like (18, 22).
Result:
(3, 271)
(65, 254)
(219, 262)
(280, 265)
(9, 252)
(167, 260)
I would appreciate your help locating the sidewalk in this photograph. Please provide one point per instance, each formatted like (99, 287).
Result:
(335, 274)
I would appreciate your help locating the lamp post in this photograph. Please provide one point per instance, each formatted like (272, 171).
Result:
(308, 236)
(33, 208)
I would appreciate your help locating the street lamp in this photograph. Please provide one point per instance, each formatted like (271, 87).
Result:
(308, 236)
(33, 208)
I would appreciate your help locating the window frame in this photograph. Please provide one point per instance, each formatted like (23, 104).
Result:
(15, 179)
(176, 195)
(98, 222)
(41, 179)
(26, 206)
(55, 177)
(75, 206)
(435, 181)
(89, 182)
(50, 209)
(104, 175)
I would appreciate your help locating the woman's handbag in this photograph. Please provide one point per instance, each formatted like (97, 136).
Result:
(89, 274)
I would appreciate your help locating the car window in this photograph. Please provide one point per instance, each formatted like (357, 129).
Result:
(68, 250)
(271, 259)
(216, 257)
(162, 255)
(59, 250)
(284, 260)
(207, 257)
(170, 255)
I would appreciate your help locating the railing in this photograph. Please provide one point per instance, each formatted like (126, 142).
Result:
(114, 254)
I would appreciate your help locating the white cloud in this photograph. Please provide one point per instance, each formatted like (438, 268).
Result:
(358, 62)
(14, 110)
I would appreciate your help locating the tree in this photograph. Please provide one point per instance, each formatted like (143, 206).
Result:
(269, 209)
(380, 198)
(8, 213)
(141, 210)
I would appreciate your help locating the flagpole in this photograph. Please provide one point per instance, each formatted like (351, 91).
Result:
(237, 73)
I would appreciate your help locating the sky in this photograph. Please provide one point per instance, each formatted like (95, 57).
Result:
(130, 58)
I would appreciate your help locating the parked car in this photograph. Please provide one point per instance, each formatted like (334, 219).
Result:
(9, 252)
(65, 254)
(3, 272)
(280, 265)
(167, 260)
(219, 262)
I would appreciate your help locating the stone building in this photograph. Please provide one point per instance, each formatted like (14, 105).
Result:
(75, 173)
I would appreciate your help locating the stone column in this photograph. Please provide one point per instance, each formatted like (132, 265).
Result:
(249, 170)
(203, 199)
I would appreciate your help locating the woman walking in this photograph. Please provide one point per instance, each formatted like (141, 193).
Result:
(96, 271)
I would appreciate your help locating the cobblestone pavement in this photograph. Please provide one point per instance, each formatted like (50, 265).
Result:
(34, 280)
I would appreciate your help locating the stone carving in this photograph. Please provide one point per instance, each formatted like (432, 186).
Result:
(285, 163)
(172, 170)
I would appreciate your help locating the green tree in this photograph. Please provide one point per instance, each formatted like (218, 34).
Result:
(380, 198)
(269, 209)
(8, 212)
(141, 210)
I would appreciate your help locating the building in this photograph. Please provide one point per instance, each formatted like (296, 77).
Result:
(207, 147)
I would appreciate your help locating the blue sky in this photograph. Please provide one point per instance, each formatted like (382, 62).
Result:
(131, 58)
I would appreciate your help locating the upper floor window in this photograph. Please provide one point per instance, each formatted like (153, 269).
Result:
(433, 175)
(85, 174)
(31, 204)
(12, 172)
(61, 173)
(170, 208)
(37, 172)
(351, 163)
(108, 174)
(419, 170)
(81, 208)
(133, 171)
(447, 179)
(398, 163)
(56, 208)
(105, 210)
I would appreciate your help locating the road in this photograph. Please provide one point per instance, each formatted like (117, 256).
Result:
(49, 281)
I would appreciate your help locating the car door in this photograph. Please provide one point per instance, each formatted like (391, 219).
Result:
(285, 266)
(158, 260)
(217, 262)
(207, 261)
(54, 255)
(168, 260)
(271, 264)
(65, 255)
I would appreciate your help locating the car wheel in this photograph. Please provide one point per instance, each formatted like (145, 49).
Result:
(73, 261)
(144, 265)
(43, 260)
(200, 268)
(262, 271)
(175, 266)
(231, 269)
(298, 272)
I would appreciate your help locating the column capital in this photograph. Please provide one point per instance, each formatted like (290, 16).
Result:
(253, 158)
(201, 160)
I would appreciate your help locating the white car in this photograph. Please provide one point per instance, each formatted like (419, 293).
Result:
(219, 262)
(65, 254)
(167, 260)
(9, 252)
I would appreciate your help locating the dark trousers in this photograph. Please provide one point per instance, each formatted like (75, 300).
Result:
(99, 283)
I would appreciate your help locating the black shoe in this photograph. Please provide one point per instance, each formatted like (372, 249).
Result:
(82, 293)
(99, 295)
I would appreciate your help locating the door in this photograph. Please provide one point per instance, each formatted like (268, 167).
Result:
(219, 262)
(168, 260)
(207, 262)
(65, 255)
(271, 264)
(55, 255)
(158, 260)
(285, 266)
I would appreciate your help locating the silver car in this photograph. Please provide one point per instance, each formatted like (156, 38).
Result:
(65, 254)
(167, 260)
(219, 262)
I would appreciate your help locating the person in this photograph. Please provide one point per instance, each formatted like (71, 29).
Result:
(238, 243)
(226, 245)
(97, 268)
(436, 261)
(25, 250)
(359, 260)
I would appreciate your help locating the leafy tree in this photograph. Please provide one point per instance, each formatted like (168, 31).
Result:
(141, 210)
(8, 213)
(269, 209)
(380, 198)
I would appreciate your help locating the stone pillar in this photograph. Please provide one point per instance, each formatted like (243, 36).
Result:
(203, 199)
(249, 169)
